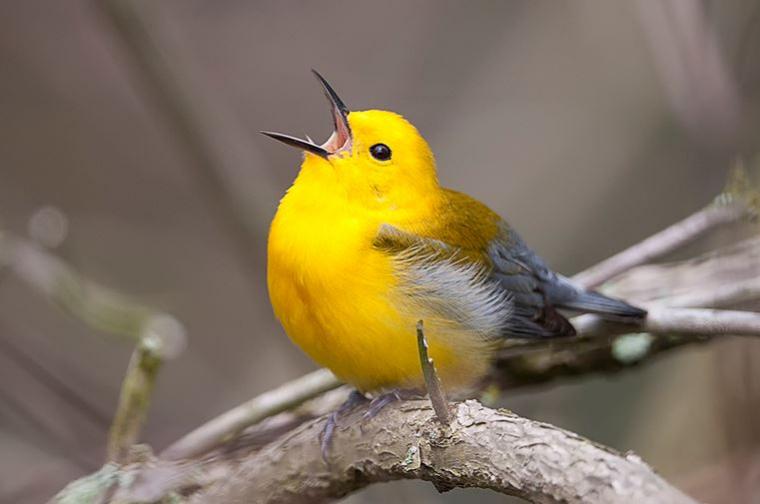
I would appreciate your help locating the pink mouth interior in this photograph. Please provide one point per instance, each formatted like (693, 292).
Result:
(340, 138)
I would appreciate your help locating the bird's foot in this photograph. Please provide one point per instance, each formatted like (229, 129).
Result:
(354, 399)
(377, 404)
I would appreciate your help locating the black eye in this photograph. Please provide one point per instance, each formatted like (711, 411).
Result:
(381, 152)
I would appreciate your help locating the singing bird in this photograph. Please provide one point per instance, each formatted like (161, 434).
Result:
(366, 242)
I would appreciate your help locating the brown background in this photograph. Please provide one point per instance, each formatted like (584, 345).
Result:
(588, 124)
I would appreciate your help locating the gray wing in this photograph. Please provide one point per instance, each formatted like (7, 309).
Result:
(534, 289)
(438, 283)
(516, 296)
(538, 292)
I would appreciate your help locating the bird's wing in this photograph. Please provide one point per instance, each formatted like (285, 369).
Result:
(538, 291)
(440, 282)
(479, 249)
(533, 286)
(468, 232)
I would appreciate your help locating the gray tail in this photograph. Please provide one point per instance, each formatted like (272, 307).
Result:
(593, 302)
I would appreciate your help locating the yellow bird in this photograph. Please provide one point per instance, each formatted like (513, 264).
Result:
(366, 242)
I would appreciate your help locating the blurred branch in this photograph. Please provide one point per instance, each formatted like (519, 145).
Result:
(725, 278)
(738, 200)
(270, 403)
(100, 308)
(158, 336)
(599, 346)
(662, 243)
(684, 321)
(481, 448)
(701, 90)
(220, 152)
(134, 399)
(42, 375)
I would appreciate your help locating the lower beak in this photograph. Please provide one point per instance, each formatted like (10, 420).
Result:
(340, 139)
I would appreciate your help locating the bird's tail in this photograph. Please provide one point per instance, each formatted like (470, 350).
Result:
(593, 302)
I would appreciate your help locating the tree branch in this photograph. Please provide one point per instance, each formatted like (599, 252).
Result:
(100, 308)
(738, 200)
(482, 448)
(666, 321)
(667, 240)
(134, 399)
(220, 149)
(270, 403)
(727, 277)
(158, 336)
(432, 383)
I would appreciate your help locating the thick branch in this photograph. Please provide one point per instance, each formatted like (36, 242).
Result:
(482, 448)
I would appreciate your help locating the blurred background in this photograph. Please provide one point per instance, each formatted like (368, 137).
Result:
(130, 129)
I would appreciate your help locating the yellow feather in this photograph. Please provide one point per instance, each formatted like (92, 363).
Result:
(337, 295)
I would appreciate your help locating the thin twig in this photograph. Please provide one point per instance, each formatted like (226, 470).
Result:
(739, 199)
(68, 393)
(220, 152)
(667, 240)
(721, 297)
(282, 398)
(136, 390)
(158, 336)
(100, 308)
(663, 320)
(156, 341)
(433, 384)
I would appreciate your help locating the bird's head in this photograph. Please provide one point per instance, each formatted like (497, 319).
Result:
(378, 157)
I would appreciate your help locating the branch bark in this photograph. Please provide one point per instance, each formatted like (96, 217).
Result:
(482, 448)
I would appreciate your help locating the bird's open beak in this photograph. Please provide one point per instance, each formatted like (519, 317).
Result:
(340, 140)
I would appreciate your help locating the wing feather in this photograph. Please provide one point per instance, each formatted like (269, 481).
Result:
(438, 282)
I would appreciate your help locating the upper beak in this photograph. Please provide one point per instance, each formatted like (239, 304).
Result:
(341, 136)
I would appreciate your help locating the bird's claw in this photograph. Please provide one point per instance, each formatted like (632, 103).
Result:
(377, 404)
(328, 431)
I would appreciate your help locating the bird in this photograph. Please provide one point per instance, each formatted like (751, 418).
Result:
(366, 242)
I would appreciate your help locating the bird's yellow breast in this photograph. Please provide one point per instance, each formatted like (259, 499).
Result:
(333, 292)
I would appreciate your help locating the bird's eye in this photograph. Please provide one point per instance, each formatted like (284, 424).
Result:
(381, 152)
